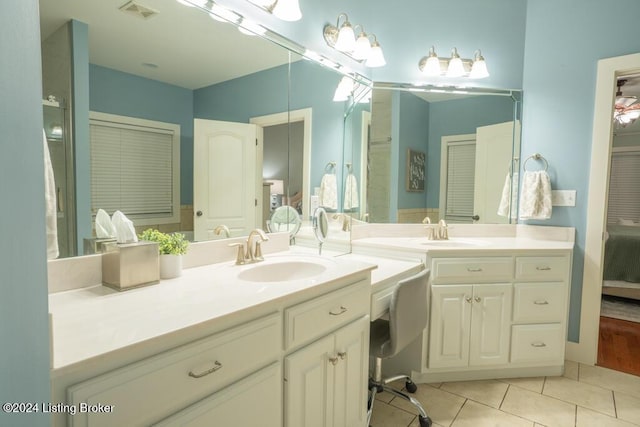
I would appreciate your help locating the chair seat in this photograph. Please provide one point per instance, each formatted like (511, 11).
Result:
(380, 339)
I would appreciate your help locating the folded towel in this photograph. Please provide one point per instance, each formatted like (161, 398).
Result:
(535, 198)
(329, 191)
(509, 197)
(351, 192)
(51, 210)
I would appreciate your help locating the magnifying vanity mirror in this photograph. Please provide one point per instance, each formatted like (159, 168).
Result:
(284, 218)
(320, 224)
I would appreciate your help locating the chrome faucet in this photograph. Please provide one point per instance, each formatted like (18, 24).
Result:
(222, 229)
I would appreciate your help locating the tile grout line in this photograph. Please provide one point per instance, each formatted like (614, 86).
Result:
(458, 413)
(504, 397)
(615, 407)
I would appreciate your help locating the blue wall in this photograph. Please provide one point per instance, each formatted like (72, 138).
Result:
(115, 92)
(24, 324)
(459, 117)
(564, 41)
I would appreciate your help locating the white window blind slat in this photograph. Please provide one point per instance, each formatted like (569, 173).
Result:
(624, 187)
(132, 169)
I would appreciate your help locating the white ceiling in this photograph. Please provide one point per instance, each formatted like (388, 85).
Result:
(190, 49)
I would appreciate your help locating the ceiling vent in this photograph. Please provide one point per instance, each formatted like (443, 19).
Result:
(134, 8)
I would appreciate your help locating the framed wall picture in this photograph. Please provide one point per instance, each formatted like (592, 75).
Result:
(416, 168)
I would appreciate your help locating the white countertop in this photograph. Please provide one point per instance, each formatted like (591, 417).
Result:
(92, 321)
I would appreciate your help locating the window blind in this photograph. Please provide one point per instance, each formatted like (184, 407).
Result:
(624, 187)
(131, 170)
(461, 162)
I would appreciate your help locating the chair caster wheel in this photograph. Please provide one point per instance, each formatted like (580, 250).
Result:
(424, 421)
(411, 386)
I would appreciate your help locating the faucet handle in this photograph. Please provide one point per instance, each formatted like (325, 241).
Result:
(240, 257)
(258, 252)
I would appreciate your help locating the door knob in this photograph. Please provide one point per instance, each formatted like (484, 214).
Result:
(199, 213)
(475, 217)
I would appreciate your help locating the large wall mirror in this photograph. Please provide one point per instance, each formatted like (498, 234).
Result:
(437, 152)
(163, 63)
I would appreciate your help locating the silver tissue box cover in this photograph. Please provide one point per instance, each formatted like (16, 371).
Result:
(130, 265)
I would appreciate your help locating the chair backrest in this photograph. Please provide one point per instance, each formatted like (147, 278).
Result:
(408, 312)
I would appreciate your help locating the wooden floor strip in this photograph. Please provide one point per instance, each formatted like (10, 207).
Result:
(619, 345)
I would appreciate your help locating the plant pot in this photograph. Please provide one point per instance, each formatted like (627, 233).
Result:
(170, 266)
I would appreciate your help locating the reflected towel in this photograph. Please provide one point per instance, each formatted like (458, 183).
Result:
(535, 198)
(51, 210)
(351, 192)
(509, 197)
(329, 191)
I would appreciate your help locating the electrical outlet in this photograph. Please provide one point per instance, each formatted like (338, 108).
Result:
(563, 197)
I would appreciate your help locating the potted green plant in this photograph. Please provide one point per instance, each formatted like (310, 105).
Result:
(171, 246)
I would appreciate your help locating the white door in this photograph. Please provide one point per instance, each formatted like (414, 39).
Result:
(351, 375)
(490, 324)
(449, 325)
(493, 159)
(226, 185)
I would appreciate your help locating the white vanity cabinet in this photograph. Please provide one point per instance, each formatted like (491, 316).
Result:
(495, 316)
(152, 389)
(469, 325)
(325, 381)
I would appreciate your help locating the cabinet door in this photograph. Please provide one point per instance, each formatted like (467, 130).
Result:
(253, 401)
(309, 385)
(490, 324)
(449, 325)
(351, 374)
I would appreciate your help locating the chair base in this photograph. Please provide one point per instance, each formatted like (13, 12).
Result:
(378, 385)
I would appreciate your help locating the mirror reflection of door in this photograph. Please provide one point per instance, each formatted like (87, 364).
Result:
(225, 187)
(472, 174)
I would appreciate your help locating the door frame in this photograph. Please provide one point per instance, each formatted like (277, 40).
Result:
(302, 115)
(586, 350)
(364, 163)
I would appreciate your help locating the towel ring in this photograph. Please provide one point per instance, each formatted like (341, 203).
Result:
(536, 156)
(330, 167)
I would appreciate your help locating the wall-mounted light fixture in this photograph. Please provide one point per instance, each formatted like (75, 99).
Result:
(454, 66)
(342, 37)
(287, 10)
(349, 88)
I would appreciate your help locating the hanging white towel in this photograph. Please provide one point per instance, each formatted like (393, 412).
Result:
(509, 197)
(329, 191)
(51, 210)
(535, 199)
(351, 192)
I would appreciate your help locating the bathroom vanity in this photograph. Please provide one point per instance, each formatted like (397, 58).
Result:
(284, 342)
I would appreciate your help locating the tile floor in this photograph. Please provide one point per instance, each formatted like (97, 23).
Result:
(585, 396)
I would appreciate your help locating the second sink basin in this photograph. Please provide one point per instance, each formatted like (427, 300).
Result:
(282, 271)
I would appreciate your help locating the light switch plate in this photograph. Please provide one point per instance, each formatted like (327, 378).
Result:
(563, 197)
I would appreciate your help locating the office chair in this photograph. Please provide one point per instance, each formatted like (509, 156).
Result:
(408, 314)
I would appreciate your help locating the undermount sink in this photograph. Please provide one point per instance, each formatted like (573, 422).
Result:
(452, 242)
(283, 271)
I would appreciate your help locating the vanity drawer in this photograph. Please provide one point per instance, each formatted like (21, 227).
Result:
(380, 302)
(319, 316)
(539, 302)
(149, 390)
(537, 343)
(471, 270)
(550, 268)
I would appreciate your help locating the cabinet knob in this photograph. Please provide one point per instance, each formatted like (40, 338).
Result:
(333, 360)
(216, 365)
(468, 299)
(478, 299)
(342, 355)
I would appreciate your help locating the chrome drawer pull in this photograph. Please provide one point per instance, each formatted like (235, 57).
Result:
(342, 355)
(541, 302)
(474, 269)
(342, 311)
(545, 268)
(216, 365)
(333, 360)
(538, 344)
